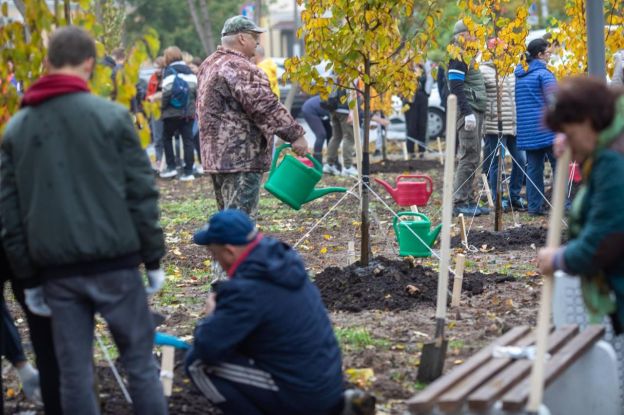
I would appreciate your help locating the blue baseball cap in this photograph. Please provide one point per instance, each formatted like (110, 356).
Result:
(228, 227)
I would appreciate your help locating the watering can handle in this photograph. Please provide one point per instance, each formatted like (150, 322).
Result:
(279, 149)
(418, 176)
(399, 214)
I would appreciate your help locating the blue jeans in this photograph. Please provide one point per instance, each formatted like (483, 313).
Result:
(490, 164)
(535, 180)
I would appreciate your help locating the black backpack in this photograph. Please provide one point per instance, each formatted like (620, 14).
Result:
(179, 91)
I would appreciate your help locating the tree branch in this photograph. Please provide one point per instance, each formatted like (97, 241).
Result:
(198, 27)
(207, 26)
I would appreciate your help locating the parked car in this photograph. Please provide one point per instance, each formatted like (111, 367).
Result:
(436, 122)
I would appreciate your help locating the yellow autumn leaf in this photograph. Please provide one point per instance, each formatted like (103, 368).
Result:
(323, 250)
(362, 378)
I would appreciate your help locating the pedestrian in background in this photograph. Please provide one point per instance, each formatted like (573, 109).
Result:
(318, 120)
(535, 87)
(179, 87)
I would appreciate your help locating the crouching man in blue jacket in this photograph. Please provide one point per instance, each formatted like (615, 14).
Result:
(266, 345)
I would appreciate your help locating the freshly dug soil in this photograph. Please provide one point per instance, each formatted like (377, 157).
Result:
(185, 398)
(509, 239)
(390, 285)
(402, 166)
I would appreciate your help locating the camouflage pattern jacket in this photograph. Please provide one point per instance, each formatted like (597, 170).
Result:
(238, 115)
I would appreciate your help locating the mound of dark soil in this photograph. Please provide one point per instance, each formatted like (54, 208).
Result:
(401, 166)
(509, 239)
(389, 285)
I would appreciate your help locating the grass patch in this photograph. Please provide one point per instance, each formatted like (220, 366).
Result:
(184, 211)
(358, 338)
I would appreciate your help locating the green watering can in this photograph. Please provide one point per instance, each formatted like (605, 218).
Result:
(293, 182)
(409, 244)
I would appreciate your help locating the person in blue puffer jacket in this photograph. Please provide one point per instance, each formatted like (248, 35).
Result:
(266, 345)
(535, 87)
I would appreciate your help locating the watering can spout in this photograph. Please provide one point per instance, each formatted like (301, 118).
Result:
(433, 235)
(387, 186)
(316, 193)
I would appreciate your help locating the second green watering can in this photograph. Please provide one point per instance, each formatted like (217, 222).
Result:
(293, 182)
(406, 231)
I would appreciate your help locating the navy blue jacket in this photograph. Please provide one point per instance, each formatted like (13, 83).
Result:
(271, 312)
(533, 90)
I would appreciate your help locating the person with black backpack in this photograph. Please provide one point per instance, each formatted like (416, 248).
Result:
(179, 88)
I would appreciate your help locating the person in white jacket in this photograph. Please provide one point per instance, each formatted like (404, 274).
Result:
(508, 134)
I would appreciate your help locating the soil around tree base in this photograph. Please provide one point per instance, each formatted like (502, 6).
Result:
(507, 240)
(390, 285)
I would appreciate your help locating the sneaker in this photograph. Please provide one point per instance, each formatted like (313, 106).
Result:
(168, 173)
(358, 402)
(187, 178)
(327, 168)
(29, 378)
(520, 204)
(467, 210)
(199, 169)
(350, 172)
(332, 169)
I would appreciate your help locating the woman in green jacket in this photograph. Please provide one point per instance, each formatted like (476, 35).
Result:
(592, 118)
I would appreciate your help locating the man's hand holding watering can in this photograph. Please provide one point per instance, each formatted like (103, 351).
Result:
(300, 146)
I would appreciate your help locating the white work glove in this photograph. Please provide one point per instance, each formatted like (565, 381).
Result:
(34, 299)
(156, 280)
(470, 122)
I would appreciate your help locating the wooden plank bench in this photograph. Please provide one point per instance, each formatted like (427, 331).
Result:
(485, 384)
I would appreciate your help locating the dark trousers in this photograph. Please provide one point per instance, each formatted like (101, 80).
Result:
(535, 180)
(11, 342)
(490, 164)
(416, 123)
(196, 145)
(119, 297)
(317, 125)
(40, 330)
(184, 127)
(239, 387)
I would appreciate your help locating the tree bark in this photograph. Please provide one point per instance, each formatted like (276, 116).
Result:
(365, 227)
(67, 7)
(498, 213)
(210, 42)
(198, 26)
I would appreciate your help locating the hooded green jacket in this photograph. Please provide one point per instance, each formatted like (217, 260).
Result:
(77, 193)
(596, 249)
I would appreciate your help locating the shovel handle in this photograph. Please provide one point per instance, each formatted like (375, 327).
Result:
(447, 207)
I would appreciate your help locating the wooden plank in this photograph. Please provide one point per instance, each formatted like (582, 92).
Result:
(460, 260)
(424, 401)
(516, 398)
(453, 399)
(481, 399)
(488, 192)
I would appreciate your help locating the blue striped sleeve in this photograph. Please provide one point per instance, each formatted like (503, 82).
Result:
(456, 75)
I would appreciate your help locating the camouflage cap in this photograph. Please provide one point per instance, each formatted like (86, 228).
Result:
(238, 24)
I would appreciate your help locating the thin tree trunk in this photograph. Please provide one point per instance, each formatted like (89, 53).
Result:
(198, 26)
(365, 227)
(499, 196)
(67, 8)
(203, 6)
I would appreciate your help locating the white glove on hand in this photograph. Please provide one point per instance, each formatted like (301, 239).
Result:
(156, 279)
(34, 299)
(470, 122)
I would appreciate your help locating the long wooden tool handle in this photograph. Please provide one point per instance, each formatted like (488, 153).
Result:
(356, 135)
(553, 240)
(447, 206)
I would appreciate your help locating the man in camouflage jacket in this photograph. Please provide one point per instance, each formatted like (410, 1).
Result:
(238, 117)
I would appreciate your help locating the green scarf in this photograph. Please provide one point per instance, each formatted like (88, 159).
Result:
(596, 291)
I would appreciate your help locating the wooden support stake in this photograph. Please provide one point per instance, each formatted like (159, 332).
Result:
(488, 192)
(166, 369)
(440, 150)
(414, 208)
(405, 153)
(458, 280)
(350, 253)
(462, 229)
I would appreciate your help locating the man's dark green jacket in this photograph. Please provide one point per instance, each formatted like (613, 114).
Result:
(77, 193)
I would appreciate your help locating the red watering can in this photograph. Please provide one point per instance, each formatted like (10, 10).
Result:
(410, 193)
